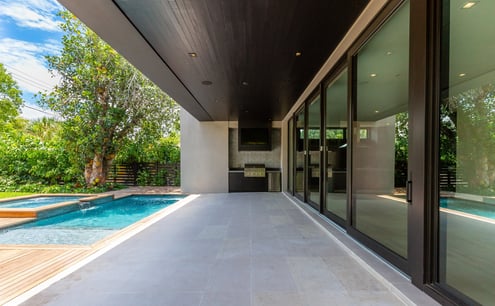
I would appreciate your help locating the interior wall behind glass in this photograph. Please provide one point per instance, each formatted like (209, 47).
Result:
(380, 136)
(467, 150)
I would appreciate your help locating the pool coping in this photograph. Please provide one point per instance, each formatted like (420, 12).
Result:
(50, 209)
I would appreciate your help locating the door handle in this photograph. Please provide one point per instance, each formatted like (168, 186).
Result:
(409, 192)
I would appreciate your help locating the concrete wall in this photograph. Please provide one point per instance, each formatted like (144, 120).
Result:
(204, 155)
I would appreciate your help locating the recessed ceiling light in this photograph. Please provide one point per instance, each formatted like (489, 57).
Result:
(469, 4)
(207, 83)
(389, 53)
(192, 54)
(462, 75)
(377, 111)
(373, 75)
(298, 53)
(244, 83)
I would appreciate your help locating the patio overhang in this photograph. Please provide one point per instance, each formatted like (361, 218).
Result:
(224, 60)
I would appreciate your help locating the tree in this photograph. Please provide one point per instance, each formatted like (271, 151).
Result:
(10, 97)
(468, 138)
(103, 100)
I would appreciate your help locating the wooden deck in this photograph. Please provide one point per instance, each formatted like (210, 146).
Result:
(6, 222)
(22, 268)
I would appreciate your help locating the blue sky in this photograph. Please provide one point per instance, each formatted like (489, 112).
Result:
(29, 31)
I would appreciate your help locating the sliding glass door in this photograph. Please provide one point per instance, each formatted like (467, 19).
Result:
(466, 180)
(313, 149)
(336, 148)
(380, 138)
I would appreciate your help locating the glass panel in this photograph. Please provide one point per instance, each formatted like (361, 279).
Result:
(314, 123)
(381, 135)
(336, 141)
(467, 150)
(299, 183)
(291, 157)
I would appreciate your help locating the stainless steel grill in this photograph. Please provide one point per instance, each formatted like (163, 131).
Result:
(254, 170)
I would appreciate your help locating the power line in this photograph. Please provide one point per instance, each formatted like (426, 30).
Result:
(39, 110)
(28, 78)
(32, 83)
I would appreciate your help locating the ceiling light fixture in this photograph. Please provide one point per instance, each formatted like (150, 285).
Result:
(244, 83)
(462, 75)
(192, 54)
(373, 75)
(469, 4)
(377, 111)
(298, 53)
(207, 83)
(389, 53)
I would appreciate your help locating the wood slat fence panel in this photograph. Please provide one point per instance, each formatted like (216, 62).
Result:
(133, 174)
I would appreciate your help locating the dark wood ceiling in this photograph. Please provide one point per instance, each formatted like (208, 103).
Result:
(245, 48)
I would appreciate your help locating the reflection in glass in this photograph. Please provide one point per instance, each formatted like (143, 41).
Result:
(380, 141)
(299, 179)
(467, 152)
(291, 156)
(314, 122)
(336, 142)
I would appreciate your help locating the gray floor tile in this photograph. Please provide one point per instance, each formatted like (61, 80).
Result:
(313, 274)
(266, 298)
(272, 274)
(208, 253)
(238, 298)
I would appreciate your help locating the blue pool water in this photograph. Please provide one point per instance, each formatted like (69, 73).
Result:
(470, 207)
(88, 225)
(38, 201)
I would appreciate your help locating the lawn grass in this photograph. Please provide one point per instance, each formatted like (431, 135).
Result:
(13, 194)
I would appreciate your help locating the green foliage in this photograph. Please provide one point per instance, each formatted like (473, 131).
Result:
(4, 195)
(143, 178)
(10, 97)
(401, 148)
(164, 150)
(25, 158)
(105, 102)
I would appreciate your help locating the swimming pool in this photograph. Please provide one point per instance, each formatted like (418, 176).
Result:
(470, 207)
(38, 201)
(89, 224)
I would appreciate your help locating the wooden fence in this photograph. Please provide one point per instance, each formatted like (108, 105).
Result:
(152, 174)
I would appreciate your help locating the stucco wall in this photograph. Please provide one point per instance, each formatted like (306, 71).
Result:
(204, 155)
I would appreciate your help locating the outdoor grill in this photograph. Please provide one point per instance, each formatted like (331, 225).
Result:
(254, 170)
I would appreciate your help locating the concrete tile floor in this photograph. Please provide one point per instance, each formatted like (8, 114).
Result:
(235, 249)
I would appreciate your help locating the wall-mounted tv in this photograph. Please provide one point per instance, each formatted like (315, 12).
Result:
(255, 139)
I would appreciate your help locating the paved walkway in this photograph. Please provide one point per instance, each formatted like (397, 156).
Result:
(235, 249)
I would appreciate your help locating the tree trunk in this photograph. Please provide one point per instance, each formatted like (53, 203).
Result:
(95, 171)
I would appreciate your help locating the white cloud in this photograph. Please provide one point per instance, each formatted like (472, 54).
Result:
(25, 61)
(37, 14)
